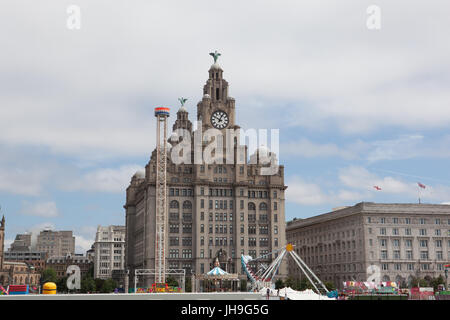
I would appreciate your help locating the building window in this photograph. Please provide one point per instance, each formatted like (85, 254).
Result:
(423, 254)
(409, 254)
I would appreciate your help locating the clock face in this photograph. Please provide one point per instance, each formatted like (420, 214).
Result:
(219, 119)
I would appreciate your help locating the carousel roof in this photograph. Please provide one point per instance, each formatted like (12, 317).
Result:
(217, 272)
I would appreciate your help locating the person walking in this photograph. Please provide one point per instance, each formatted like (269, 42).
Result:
(268, 293)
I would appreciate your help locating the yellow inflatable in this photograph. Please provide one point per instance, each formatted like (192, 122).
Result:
(49, 288)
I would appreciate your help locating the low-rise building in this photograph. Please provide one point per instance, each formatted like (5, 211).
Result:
(15, 272)
(61, 263)
(34, 258)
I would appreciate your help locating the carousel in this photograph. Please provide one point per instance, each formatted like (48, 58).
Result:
(218, 280)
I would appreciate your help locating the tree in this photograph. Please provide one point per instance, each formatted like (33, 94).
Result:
(289, 282)
(49, 275)
(61, 285)
(188, 285)
(108, 286)
(305, 284)
(279, 284)
(330, 286)
(243, 285)
(171, 282)
(98, 284)
(435, 282)
(87, 284)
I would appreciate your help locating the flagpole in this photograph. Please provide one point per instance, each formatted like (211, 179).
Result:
(418, 192)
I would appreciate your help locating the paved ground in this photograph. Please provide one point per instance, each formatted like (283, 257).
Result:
(139, 296)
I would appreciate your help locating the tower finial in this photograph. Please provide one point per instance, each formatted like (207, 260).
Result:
(182, 101)
(215, 55)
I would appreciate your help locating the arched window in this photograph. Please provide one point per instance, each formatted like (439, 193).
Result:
(187, 205)
(251, 206)
(386, 278)
(174, 204)
(263, 206)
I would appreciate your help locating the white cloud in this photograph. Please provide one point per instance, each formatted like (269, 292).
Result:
(356, 184)
(82, 244)
(103, 180)
(21, 181)
(305, 193)
(91, 91)
(361, 179)
(7, 244)
(36, 229)
(46, 209)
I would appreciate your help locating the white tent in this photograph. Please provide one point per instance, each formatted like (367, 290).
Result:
(292, 294)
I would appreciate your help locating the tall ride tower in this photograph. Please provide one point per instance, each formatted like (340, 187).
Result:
(161, 115)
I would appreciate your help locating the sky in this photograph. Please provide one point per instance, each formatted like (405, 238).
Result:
(356, 106)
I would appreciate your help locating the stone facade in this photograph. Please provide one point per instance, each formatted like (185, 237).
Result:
(56, 243)
(34, 258)
(109, 251)
(214, 210)
(14, 272)
(402, 240)
(61, 263)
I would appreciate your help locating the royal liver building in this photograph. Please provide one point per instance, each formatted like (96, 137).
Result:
(221, 203)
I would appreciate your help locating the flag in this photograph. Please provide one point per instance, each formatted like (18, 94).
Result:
(377, 187)
(421, 185)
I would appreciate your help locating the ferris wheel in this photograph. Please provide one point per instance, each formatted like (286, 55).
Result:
(262, 275)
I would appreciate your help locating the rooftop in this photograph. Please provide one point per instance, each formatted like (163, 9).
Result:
(372, 208)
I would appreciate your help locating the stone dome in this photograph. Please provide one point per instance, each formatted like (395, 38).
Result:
(216, 66)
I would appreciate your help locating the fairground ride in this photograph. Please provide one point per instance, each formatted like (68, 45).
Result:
(263, 275)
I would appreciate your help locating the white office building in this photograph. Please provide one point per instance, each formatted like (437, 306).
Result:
(109, 250)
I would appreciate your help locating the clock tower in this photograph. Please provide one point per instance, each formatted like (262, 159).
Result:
(216, 109)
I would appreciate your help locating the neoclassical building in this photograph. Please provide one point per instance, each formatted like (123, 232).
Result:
(402, 241)
(214, 210)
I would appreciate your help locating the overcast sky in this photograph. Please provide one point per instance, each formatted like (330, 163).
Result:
(355, 107)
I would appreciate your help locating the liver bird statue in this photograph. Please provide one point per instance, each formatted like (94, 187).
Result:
(215, 55)
(182, 101)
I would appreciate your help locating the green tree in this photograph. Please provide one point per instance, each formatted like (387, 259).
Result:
(279, 284)
(188, 285)
(108, 286)
(305, 284)
(87, 285)
(435, 282)
(49, 275)
(98, 284)
(330, 286)
(171, 282)
(243, 285)
(289, 282)
(61, 285)
(419, 282)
